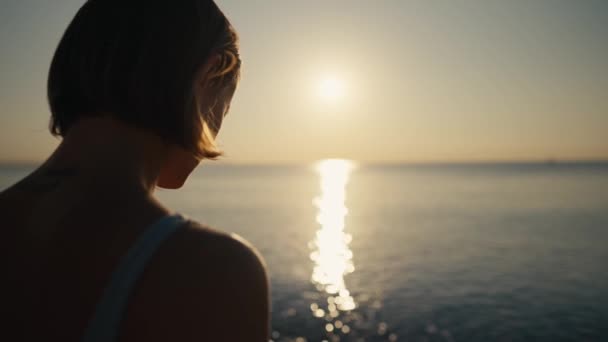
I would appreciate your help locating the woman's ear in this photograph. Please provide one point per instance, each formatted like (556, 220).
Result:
(201, 80)
(206, 98)
(201, 84)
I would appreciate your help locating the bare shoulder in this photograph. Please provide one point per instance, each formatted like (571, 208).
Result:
(201, 244)
(201, 285)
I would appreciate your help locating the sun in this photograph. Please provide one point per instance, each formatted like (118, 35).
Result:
(331, 88)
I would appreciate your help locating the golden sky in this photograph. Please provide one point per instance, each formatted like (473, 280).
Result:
(379, 81)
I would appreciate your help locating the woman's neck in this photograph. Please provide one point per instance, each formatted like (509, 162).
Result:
(105, 148)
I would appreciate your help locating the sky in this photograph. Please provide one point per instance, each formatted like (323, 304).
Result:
(374, 81)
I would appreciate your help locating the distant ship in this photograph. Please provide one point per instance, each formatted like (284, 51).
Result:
(550, 161)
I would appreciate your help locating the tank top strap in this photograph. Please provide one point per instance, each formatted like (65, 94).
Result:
(110, 310)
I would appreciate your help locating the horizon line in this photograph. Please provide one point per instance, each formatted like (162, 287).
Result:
(438, 162)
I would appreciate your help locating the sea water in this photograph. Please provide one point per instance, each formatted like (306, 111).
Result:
(469, 252)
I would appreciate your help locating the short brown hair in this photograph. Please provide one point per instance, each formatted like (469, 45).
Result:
(137, 60)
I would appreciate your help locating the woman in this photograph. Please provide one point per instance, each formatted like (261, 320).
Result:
(137, 90)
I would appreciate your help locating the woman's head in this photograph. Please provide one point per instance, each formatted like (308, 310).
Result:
(169, 67)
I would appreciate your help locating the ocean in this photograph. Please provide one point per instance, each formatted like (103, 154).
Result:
(436, 252)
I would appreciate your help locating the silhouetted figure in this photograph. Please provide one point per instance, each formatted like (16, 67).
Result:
(137, 90)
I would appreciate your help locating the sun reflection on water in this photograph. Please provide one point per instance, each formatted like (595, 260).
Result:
(331, 253)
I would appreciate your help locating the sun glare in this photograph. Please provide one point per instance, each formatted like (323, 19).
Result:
(331, 88)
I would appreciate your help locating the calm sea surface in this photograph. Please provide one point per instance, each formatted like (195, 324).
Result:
(510, 252)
